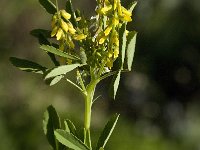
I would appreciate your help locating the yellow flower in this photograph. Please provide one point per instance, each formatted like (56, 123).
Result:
(116, 52)
(66, 15)
(54, 31)
(115, 21)
(71, 28)
(54, 21)
(126, 18)
(110, 54)
(109, 63)
(64, 26)
(105, 9)
(80, 37)
(107, 31)
(102, 40)
(126, 12)
(115, 40)
(115, 4)
(59, 34)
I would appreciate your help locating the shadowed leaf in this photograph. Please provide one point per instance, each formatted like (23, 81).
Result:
(28, 66)
(106, 133)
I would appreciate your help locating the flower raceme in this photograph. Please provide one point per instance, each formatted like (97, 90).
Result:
(63, 29)
(104, 49)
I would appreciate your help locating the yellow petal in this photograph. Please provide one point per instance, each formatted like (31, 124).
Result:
(66, 15)
(54, 21)
(116, 52)
(54, 31)
(107, 31)
(110, 55)
(126, 12)
(71, 28)
(102, 40)
(105, 9)
(64, 26)
(80, 37)
(59, 34)
(126, 18)
(115, 21)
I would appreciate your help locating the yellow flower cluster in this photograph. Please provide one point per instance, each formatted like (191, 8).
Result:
(63, 29)
(116, 15)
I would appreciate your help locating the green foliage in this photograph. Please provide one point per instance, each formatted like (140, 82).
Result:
(51, 122)
(115, 84)
(130, 48)
(70, 127)
(100, 42)
(61, 70)
(132, 6)
(28, 66)
(49, 6)
(58, 52)
(106, 133)
(69, 140)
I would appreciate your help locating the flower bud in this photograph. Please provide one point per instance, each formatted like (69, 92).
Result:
(71, 28)
(102, 40)
(66, 15)
(116, 52)
(59, 34)
(107, 31)
(54, 31)
(64, 26)
(80, 37)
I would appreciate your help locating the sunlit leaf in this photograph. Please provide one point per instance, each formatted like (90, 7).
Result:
(115, 84)
(61, 70)
(106, 133)
(122, 44)
(130, 48)
(58, 52)
(69, 140)
(28, 66)
(49, 6)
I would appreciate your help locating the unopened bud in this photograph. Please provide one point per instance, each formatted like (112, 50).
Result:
(66, 15)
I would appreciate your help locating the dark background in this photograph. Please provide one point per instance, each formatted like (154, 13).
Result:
(158, 100)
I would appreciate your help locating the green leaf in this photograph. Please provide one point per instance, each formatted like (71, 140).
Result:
(130, 48)
(69, 140)
(70, 127)
(132, 6)
(58, 52)
(115, 84)
(28, 66)
(61, 70)
(51, 122)
(122, 43)
(107, 131)
(53, 81)
(49, 6)
(69, 9)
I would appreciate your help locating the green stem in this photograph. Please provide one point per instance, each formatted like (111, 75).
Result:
(88, 109)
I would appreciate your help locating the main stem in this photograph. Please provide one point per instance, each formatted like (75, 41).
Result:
(88, 109)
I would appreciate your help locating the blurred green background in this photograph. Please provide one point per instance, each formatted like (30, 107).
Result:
(158, 101)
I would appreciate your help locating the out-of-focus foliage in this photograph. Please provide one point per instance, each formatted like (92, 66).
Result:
(158, 101)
